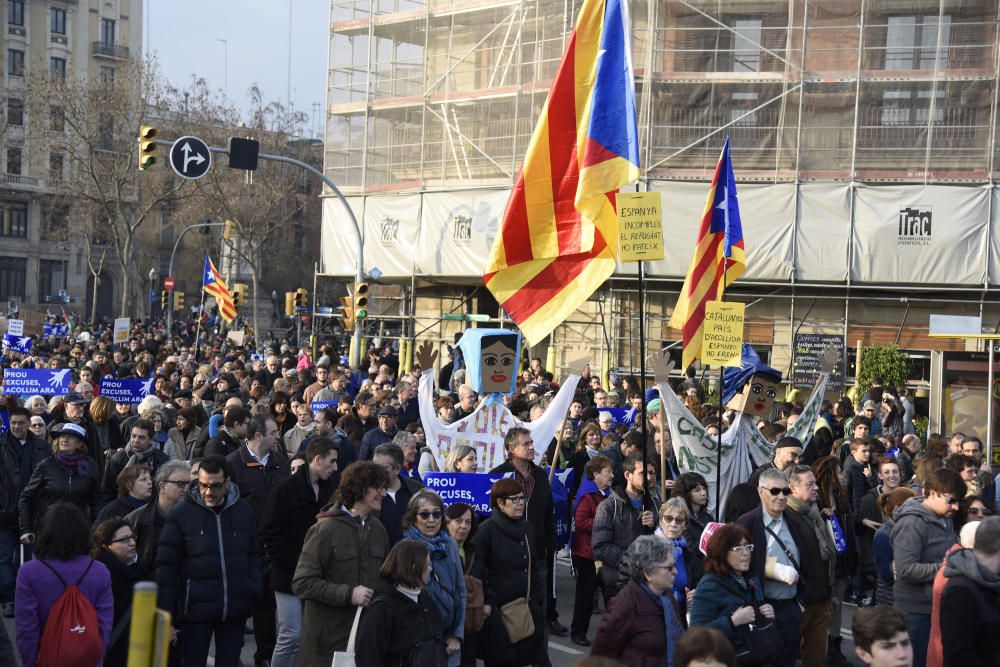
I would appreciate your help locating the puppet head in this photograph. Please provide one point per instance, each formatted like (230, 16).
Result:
(751, 388)
(491, 359)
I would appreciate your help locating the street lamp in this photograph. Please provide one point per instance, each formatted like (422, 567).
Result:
(152, 291)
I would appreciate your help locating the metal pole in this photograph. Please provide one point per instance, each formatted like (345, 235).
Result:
(989, 401)
(642, 386)
(360, 273)
(170, 267)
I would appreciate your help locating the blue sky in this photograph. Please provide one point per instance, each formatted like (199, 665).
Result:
(183, 35)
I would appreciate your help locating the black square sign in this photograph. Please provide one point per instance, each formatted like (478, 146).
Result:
(243, 153)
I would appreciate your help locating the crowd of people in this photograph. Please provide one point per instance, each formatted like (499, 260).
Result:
(248, 507)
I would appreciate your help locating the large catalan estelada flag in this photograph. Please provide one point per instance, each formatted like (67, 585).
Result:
(216, 286)
(720, 244)
(558, 239)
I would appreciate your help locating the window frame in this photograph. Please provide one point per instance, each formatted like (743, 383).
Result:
(15, 62)
(57, 21)
(15, 13)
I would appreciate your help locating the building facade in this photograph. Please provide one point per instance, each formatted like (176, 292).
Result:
(863, 138)
(80, 38)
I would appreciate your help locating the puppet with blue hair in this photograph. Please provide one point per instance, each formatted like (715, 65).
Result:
(492, 358)
(749, 391)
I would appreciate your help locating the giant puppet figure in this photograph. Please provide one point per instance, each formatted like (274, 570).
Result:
(491, 361)
(749, 391)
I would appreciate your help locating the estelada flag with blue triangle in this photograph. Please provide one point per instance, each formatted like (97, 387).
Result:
(214, 284)
(558, 241)
(719, 256)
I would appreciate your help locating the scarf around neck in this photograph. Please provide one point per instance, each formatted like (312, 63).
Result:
(811, 513)
(75, 464)
(673, 629)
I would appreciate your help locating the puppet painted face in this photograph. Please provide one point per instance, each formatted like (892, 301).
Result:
(757, 396)
(499, 361)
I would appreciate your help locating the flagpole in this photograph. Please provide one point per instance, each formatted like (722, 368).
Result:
(722, 387)
(642, 382)
(197, 331)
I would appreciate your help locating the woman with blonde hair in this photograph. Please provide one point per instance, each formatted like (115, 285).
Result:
(461, 458)
(36, 405)
(109, 432)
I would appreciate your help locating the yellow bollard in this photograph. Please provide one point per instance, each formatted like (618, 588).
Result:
(140, 636)
(550, 358)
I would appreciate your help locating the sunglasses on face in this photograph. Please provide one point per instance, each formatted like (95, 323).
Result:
(784, 491)
(979, 511)
(673, 519)
(425, 515)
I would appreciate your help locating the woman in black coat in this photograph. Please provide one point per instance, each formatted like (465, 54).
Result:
(400, 627)
(114, 545)
(68, 475)
(509, 569)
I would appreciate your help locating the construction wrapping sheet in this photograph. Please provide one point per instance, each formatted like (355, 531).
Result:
(392, 226)
(457, 231)
(338, 253)
(920, 234)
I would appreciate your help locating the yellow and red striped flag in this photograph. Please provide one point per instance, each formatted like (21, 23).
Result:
(216, 286)
(559, 237)
(720, 244)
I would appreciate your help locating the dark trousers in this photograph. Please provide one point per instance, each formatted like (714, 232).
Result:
(586, 586)
(552, 614)
(919, 627)
(265, 629)
(195, 639)
(788, 619)
(9, 542)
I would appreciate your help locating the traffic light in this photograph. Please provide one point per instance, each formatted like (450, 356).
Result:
(360, 300)
(236, 298)
(147, 146)
(164, 300)
(289, 303)
(178, 300)
(347, 309)
(301, 297)
(239, 294)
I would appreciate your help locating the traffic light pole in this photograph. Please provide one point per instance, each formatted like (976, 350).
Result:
(360, 271)
(170, 267)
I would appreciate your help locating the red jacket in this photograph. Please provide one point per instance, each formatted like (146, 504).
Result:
(633, 631)
(935, 651)
(583, 517)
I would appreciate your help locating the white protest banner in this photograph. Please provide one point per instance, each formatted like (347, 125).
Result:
(122, 325)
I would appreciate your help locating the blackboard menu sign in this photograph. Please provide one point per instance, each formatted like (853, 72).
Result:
(806, 352)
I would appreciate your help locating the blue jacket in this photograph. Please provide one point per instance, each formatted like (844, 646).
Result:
(715, 600)
(207, 567)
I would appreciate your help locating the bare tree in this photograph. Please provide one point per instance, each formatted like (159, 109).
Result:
(89, 129)
(264, 204)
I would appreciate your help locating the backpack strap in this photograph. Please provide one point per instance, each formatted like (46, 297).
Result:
(89, 565)
(53, 570)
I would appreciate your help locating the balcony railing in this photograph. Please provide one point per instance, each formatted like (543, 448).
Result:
(17, 179)
(109, 50)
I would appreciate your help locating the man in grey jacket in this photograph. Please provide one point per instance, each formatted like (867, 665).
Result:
(922, 535)
(622, 517)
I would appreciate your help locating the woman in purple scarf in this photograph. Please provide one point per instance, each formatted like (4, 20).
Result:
(68, 475)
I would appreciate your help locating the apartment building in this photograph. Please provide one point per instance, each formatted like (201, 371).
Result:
(80, 38)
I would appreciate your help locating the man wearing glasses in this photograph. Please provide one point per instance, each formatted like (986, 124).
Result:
(778, 559)
(172, 481)
(207, 568)
(922, 535)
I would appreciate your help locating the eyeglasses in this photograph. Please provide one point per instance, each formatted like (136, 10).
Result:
(784, 491)
(214, 486)
(673, 519)
(980, 511)
(127, 538)
(181, 484)
(948, 499)
(516, 499)
(425, 515)
(669, 568)
(742, 548)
